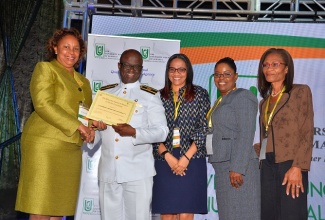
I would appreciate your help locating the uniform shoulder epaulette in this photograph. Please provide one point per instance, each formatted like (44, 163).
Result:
(108, 86)
(148, 89)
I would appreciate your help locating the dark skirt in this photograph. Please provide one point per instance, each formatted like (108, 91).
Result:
(174, 194)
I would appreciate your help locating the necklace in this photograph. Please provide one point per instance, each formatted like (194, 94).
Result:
(275, 94)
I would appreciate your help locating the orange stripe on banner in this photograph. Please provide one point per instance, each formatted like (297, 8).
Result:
(200, 55)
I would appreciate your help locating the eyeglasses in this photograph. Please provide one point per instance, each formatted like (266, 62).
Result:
(225, 75)
(273, 65)
(127, 67)
(180, 70)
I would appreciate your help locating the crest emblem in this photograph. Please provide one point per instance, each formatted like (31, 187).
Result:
(145, 52)
(88, 205)
(97, 84)
(90, 165)
(99, 50)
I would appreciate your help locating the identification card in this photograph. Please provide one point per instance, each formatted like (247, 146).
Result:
(209, 144)
(176, 138)
(83, 111)
(263, 149)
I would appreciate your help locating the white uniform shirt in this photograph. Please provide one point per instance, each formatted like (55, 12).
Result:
(125, 159)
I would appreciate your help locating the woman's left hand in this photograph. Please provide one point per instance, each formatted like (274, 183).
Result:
(181, 166)
(293, 179)
(236, 179)
(86, 133)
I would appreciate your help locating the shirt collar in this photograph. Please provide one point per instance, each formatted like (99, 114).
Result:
(130, 85)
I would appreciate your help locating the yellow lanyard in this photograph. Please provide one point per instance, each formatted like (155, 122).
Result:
(268, 120)
(177, 104)
(215, 105)
(209, 115)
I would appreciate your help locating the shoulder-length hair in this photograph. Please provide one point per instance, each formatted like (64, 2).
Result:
(189, 93)
(58, 35)
(264, 87)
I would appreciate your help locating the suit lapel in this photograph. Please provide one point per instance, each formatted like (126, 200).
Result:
(282, 102)
(63, 72)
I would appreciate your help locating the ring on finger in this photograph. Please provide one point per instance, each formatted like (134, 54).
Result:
(298, 186)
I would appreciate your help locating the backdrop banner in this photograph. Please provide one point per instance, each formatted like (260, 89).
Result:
(102, 58)
(205, 42)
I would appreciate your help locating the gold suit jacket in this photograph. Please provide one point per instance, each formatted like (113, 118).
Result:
(56, 95)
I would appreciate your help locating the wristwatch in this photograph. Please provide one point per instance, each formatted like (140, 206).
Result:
(163, 153)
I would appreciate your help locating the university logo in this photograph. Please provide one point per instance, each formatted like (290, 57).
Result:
(90, 165)
(145, 52)
(99, 50)
(88, 205)
(97, 84)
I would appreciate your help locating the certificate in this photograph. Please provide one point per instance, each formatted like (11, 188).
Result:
(111, 109)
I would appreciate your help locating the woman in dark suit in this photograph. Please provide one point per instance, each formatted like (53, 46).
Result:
(52, 136)
(233, 120)
(286, 131)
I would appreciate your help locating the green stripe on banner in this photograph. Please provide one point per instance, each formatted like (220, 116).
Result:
(201, 39)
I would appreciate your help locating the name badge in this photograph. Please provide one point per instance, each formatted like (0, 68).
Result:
(83, 111)
(176, 138)
(263, 149)
(209, 144)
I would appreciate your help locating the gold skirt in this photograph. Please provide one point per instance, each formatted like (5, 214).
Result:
(49, 176)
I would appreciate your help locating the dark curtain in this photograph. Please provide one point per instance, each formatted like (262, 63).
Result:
(17, 29)
(16, 19)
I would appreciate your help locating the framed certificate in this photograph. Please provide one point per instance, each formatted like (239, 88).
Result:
(111, 109)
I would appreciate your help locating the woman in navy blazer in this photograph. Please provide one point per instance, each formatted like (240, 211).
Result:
(233, 120)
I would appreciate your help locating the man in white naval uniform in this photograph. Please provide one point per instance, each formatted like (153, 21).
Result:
(126, 166)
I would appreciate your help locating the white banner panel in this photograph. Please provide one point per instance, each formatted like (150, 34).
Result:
(104, 54)
(102, 58)
(205, 42)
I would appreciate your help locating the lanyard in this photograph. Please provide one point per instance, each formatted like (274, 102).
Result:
(177, 104)
(268, 120)
(209, 115)
(215, 105)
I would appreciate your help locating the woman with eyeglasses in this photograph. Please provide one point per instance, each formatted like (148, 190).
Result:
(286, 133)
(180, 186)
(232, 120)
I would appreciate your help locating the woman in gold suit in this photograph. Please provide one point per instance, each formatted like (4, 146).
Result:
(52, 137)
